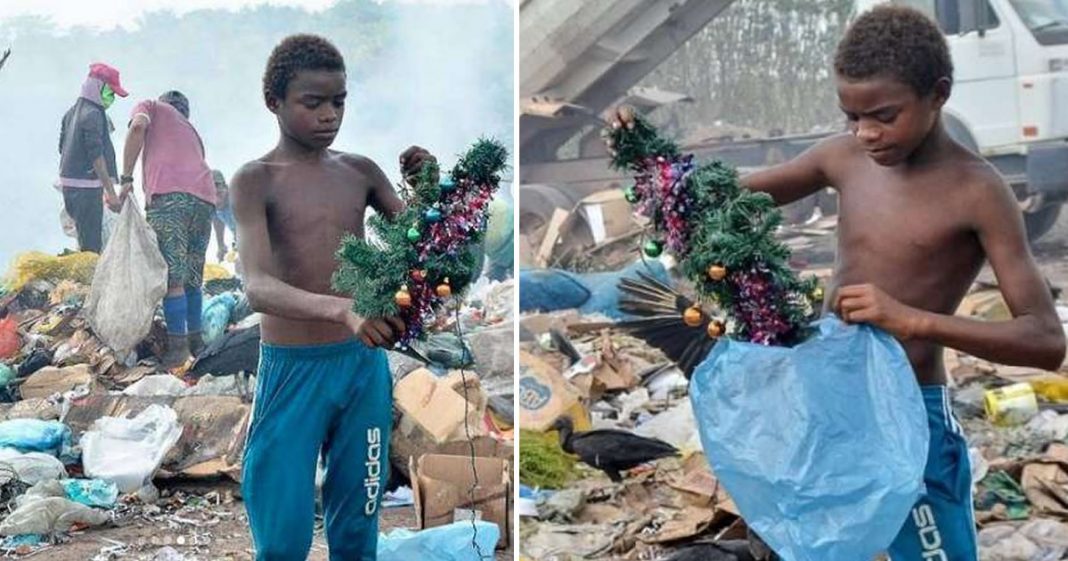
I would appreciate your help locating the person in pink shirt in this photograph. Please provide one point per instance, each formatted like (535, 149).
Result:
(180, 202)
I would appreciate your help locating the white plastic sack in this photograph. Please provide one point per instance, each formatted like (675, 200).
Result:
(233, 384)
(49, 515)
(30, 467)
(129, 281)
(42, 490)
(676, 426)
(127, 452)
(156, 384)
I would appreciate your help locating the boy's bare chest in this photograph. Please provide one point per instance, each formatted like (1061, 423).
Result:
(317, 208)
(903, 221)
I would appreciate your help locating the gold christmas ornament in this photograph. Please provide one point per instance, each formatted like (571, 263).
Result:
(403, 298)
(444, 290)
(692, 316)
(716, 329)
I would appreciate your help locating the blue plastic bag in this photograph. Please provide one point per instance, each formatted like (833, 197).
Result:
(443, 543)
(548, 290)
(33, 435)
(216, 315)
(822, 446)
(91, 492)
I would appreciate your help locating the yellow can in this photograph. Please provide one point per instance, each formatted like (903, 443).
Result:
(1011, 405)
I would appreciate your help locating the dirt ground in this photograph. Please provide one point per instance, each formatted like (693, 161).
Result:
(214, 529)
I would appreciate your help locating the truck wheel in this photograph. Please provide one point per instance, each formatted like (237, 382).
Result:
(1041, 221)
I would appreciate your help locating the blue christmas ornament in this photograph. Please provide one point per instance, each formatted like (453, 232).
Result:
(447, 185)
(432, 215)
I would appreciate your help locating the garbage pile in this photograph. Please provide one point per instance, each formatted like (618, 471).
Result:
(594, 399)
(97, 437)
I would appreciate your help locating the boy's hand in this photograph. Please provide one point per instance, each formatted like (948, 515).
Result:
(412, 161)
(622, 116)
(375, 332)
(865, 303)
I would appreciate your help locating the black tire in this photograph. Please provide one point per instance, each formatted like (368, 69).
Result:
(1041, 221)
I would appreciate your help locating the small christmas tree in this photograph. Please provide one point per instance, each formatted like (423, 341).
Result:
(427, 255)
(722, 235)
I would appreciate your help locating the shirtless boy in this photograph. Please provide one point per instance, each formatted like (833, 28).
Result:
(324, 382)
(918, 216)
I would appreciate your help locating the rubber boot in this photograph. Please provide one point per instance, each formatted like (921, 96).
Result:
(177, 351)
(196, 343)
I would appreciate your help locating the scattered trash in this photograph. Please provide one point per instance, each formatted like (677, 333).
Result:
(234, 352)
(168, 553)
(217, 313)
(33, 435)
(1035, 540)
(37, 360)
(127, 451)
(1011, 405)
(451, 542)
(9, 337)
(445, 492)
(562, 506)
(34, 265)
(6, 374)
(401, 496)
(29, 467)
(50, 381)
(436, 404)
(157, 384)
(50, 515)
(91, 492)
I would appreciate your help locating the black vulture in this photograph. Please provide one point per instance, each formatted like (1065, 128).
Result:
(611, 450)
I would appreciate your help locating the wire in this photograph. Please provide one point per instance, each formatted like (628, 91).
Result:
(470, 441)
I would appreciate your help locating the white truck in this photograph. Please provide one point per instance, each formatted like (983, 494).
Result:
(1009, 103)
(1010, 96)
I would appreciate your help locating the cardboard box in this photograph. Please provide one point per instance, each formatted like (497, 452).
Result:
(436, 404)
(544, 394)
(441, 486)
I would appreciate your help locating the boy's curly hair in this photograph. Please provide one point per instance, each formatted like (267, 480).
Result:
(897, 42)
(295, 53)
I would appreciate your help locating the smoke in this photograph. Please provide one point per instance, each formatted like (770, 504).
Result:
(434, 75)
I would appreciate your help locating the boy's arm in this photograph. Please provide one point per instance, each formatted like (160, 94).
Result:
(798, 178)
(266, 292)
(384, 198)
(1033, 337)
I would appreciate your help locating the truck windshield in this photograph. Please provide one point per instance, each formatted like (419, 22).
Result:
(1047, 19)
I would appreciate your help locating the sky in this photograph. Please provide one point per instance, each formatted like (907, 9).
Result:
(124, 13)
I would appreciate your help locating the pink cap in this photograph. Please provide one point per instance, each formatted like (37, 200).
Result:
(109, 75)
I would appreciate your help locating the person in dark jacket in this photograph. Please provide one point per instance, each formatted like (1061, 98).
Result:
(87, 169)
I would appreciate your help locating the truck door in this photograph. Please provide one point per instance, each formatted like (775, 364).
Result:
(986, 90)
(985, 87)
